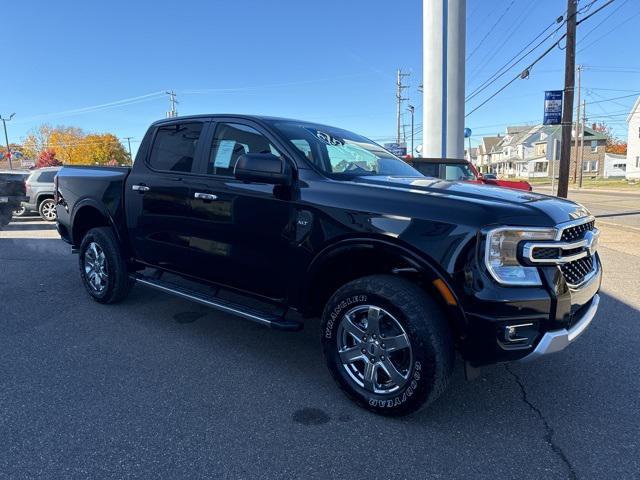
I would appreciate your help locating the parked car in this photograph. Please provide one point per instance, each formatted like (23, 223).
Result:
(40, 190)
(288, 220)
(12, 193)
(463, 170)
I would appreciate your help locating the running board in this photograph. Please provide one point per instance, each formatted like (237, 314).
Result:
(274, 321)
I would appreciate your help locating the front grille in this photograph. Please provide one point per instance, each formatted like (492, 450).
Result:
(576, 271)
(574, 233)
(546, 253)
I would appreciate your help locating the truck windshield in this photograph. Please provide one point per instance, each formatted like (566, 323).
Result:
(341, 154)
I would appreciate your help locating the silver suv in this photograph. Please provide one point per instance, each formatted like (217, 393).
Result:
(40, 192)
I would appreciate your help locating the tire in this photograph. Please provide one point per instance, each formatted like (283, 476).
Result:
(421, 351)
(103, 269)
(47, 210)
(21, 211)
(5, 216)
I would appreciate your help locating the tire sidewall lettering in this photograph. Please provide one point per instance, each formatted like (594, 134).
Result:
(400, 398)
(337, 311)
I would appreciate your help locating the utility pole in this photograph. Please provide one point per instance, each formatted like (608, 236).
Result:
(6, 137)
(172, 102)
(411, 109)
(399, 99)
(577, 128)
(584, 120)
(567, 108)
(128, 139)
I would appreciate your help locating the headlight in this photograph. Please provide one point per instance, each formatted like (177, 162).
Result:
(501, 254)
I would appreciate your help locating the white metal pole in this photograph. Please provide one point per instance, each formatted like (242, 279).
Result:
(443, 27)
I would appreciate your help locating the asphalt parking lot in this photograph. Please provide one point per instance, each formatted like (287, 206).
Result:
(157, 387)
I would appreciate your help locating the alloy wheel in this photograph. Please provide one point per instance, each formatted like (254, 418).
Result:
(95, 267)
(48, 210)
(374, 349)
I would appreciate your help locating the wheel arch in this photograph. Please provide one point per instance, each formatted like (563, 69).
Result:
(42, 197)
(89, 214)
(353, 258)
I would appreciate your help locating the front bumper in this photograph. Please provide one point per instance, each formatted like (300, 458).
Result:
(557, 340)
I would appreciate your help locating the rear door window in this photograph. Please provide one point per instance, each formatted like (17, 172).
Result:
(47, 176)
(174, 147)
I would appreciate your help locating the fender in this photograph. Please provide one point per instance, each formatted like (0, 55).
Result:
(90, 202)
(418, 261)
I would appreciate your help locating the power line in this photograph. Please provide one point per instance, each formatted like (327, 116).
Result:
(103, 106)
(491, 30)
(523, 74)
(602, 21)
(492, 52)
(615, 28)
(511, 63)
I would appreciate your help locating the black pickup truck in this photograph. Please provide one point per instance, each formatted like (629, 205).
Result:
(13, 192)
(279, 220)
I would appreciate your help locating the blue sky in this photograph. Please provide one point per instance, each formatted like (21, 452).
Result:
(329, 61)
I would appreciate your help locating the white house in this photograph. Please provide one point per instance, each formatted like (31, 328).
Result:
(615, 165)
(633, 142)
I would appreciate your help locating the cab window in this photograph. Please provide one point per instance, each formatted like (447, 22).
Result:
(230, 141)
(174, 147)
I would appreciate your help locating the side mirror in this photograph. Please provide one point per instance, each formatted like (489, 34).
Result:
(263, 168)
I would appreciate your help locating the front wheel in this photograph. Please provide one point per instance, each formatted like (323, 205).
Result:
(102, 266)
(47, 210)
(387, 344)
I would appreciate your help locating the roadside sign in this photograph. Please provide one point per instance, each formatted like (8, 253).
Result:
(552, 107)
(398, 149)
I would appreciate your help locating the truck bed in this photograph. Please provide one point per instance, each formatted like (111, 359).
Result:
(99, 187)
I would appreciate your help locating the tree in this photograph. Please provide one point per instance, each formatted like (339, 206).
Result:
(614, 144)
(47, 158)
(73, 146)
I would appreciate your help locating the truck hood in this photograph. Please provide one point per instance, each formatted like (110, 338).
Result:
(506, 202)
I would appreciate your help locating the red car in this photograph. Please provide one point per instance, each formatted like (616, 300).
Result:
(462, 170)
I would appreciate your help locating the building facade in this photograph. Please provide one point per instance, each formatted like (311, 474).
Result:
(633, 143)
(533, 151)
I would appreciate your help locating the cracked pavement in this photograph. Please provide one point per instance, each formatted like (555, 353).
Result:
(160, 387)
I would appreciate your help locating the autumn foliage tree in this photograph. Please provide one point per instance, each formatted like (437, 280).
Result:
(47, 158)
(75, 147)
(614, 144)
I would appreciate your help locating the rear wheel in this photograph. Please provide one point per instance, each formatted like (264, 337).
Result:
(102, 266)
(21, 211)
(387, 344)
(47, 210)
(5, 216)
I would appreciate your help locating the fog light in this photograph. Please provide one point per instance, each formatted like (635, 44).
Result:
(516, 336)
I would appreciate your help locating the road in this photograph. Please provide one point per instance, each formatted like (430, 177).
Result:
(157, 387)
(610, 207)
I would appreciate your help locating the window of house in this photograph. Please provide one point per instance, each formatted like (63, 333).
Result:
(594, 145)
(541, 167)
(590, 166)
(232, 140)
(174, 147)
(637, 162)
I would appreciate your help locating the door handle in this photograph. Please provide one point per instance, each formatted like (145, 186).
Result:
(205, 196)
(140, 188)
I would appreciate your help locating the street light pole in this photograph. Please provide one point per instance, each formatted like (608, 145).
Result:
(412, 109)
(6, 137)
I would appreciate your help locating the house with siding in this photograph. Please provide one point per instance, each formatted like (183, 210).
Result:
(633, 143)
(534, 151)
